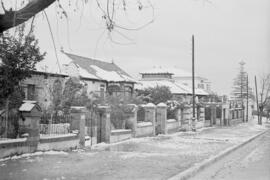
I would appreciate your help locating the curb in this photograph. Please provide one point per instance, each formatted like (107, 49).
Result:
(190, 172)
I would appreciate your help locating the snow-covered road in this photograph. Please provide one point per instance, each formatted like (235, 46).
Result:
(140, 158)
(250, 162)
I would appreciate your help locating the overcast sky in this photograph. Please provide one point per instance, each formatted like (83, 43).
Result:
(226, 32)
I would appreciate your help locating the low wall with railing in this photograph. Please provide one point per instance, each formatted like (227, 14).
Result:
(62, 128)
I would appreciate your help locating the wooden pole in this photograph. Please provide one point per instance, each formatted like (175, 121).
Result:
(257, 101)
(247, 101)
(193, 79)
(193, 87)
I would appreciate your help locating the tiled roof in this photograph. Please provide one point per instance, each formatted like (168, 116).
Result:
(91, 68)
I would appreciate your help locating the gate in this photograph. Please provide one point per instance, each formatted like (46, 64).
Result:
(91, 126)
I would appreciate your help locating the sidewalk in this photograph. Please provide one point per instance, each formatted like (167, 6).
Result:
(141, 158)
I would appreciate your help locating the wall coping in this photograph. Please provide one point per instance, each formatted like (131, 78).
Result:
(171, 120)
(150, 105)
(144, 124)
(10, 141)
(62, 137)
(120, 131)
(162, 105)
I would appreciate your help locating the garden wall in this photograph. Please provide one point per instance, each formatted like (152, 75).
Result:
(172, 125)
(59, 142)
(144, 129)
(120, 135)
(11, 147)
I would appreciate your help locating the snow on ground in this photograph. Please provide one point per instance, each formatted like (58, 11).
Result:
(34, 154)
(140, 155)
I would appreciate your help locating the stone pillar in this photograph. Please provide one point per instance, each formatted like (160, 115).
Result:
(221, 118)
(105, 118)
(150, 115)
(32, 130)
(213, 115)
(187, 115)
(179, 117)
(225, 114)
(133, 119)
(230, 117)
(81, 112)
(162, 117)
(202, 115)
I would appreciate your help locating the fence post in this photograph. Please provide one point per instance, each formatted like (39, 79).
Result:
(33, 131)
(81, 111)
(133, 119)
(202, 115)
(213, 115)
(32, 117)
(162, 117)
(105, 112)
(186, 121)
(150, 115)
(178, 116)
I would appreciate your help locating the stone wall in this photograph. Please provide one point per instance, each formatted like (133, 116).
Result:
(172, 125)
(120, 135)
(14, 147)
(59, 142)
(144, 129)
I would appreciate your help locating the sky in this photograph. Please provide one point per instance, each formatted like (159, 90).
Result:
(226, 32)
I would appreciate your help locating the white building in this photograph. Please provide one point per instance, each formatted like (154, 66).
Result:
(165, 77)
(185, 78)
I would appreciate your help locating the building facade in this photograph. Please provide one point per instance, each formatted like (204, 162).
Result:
(99, 78)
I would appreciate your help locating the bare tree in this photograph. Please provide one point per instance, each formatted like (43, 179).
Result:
(13, 17)
(264, 91)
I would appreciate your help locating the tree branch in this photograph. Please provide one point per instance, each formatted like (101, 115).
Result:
(14, 18)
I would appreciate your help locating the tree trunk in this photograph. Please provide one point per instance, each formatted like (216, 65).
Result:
(14, 18)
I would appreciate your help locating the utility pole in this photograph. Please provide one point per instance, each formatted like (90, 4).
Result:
(257, 101)
(193, 86)
(247, 100)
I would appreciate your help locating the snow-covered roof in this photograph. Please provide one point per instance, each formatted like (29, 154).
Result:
(176, 72)
(175, 87)
(85, 67)
(27, 106)
(157, 70)
(96, 69)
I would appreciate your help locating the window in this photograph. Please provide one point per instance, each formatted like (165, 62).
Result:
(113, 90)
(102, 90)
(128, 91)
(30, 92)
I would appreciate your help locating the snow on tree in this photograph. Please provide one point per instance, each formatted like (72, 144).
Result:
(240, 85)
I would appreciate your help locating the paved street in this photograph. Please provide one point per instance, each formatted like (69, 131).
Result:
(141, 158)
(250, 162)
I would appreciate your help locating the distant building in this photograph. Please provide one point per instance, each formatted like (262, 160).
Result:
(185, 78)
(99, 78)
(165, 77)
